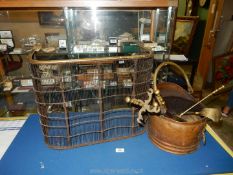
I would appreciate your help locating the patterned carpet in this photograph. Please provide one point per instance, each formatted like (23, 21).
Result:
(8, 131)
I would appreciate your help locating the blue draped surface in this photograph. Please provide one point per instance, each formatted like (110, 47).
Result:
(29, 155)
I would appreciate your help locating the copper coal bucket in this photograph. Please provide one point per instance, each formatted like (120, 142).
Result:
(179, 137)
(173, 136)
(166, 132)
(166, 128)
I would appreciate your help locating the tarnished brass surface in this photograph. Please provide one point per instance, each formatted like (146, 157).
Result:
(97, 60)
(145, 106)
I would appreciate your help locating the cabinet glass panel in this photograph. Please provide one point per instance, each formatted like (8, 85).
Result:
(118, 31)
(80, 31)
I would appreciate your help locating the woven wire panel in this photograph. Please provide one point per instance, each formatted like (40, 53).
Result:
(83, 104)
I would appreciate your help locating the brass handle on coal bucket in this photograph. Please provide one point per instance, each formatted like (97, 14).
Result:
(190, 89)
(156, 90)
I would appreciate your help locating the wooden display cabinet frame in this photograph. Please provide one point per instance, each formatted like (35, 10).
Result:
(88, 3)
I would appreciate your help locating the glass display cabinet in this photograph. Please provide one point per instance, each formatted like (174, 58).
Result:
(85, 57)
(118, 31)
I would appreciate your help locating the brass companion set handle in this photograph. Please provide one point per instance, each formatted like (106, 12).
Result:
(150, 105)
(145, 105)
(212, 93)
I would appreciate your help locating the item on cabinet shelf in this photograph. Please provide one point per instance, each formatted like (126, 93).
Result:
(161, 38)
(52, 39)
(88, 49)
(22, 89)
(26, 82)
(47, 81)
(127, 83)
(30, 42)
(7, 85)
(144, 37)
(94, 84)
(16, 82)
(84, 77)
(150, 45)
(113, 49)
(93, 71)
(123, 75)
(130, 47)
(91, 79)
(37, 47)
(158, 48)
(66, 76)
(62, 44)
(17, 51)
(46, 68)
(95, 46)
(6, 34)
(47, 75)
(9, 42)
(48, 49)
(125, 37)
(108, 76)
(78, 49)
(154, 47)
(3, 47)
(123, 71)
(113, 41)
(112, 83)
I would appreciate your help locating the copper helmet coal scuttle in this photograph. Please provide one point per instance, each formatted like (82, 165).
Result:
(176, 122)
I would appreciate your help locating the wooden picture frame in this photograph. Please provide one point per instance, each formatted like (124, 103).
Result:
(51, 18)
(183, 35)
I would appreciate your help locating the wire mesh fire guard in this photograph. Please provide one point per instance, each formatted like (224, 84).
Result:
(82, 101)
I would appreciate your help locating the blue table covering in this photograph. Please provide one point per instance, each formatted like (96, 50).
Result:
(29, 155)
